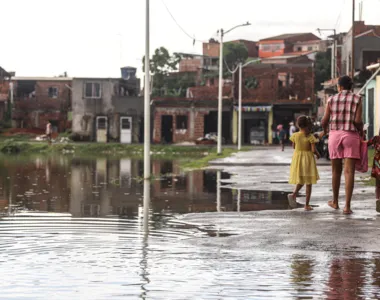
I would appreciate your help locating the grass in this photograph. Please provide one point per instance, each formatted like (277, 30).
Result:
(189, 157)
(204, 161)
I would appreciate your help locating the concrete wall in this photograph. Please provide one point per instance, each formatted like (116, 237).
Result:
(377, 106)
(85, 110)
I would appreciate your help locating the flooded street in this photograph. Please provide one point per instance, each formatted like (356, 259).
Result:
(72, 228)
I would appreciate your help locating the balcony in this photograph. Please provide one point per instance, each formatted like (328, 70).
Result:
(41, 103)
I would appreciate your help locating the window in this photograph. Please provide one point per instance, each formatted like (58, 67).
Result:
(299, 49)
(102, 123)
(310, 48)
(181, 122)
(125, 123)
(53, 92)
(92, 90)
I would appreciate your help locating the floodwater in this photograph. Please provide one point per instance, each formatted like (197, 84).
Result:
(72, 228)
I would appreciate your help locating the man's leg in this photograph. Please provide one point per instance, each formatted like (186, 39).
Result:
(337, 168)
(349, 174)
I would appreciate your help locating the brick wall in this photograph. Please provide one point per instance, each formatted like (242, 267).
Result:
(196, 126)
(268, 90)
(190, 65)
(211, 49)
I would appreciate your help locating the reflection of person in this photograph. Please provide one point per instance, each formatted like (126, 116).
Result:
(375, 142)
(346, 280)
(302, 272)
(303, 170)
(343, 117)
(48, 132)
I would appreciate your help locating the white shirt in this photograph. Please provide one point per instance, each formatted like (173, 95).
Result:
(292, 130)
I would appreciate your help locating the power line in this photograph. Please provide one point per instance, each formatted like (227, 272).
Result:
(340, 15)
(179, 26)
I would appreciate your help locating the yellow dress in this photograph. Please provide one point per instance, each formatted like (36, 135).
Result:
(303, 169)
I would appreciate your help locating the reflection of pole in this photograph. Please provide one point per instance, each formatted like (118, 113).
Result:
(238, 200)
(218, 190)
(144, 260)
(10, 201)
(146, 206)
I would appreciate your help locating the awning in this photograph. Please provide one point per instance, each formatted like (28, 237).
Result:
(254, 108)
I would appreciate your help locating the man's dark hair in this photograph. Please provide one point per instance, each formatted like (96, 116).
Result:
(345, 82)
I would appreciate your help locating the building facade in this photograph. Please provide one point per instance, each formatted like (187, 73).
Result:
(40, 100)
(107, 109)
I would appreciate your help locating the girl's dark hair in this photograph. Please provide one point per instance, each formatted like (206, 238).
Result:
(345, 82)
(304, 122)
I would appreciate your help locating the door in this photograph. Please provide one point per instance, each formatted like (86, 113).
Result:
(371, 113)
(167, 129)
(126, 130)
(101, 129)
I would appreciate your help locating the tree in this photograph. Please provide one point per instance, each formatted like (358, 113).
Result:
(322, 69)
(234, 53)
(162, 65)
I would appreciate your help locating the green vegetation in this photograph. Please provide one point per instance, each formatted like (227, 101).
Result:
(203, 162)
(189, 157)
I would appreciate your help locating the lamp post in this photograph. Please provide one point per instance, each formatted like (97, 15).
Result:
(220, 105)
(334, 53)
(241, 66)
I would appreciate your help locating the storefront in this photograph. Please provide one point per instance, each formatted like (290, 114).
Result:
(256, 124)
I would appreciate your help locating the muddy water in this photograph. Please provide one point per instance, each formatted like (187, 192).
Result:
(73, 229)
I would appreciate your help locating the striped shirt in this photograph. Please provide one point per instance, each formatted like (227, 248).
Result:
(343, 107)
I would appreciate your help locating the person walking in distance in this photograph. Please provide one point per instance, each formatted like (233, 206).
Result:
(303, 170)
(292, 129)
(343, 120)
(282, 136)
(49, 132)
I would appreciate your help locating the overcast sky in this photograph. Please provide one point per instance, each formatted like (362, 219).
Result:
(96, 37)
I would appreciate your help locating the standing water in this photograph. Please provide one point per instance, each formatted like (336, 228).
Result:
(72, 228)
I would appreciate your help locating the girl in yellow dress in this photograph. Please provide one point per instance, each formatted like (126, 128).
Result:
(303, 170)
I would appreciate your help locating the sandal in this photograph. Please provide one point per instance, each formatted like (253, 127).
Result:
(292, 201)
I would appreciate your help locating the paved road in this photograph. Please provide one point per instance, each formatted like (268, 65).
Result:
(296, 230)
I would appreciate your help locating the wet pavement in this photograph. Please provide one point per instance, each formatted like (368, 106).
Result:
(74, 229)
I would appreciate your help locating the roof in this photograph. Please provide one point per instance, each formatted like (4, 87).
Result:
(41, 78)
(370, 32)
(208, 92)
(284, 36)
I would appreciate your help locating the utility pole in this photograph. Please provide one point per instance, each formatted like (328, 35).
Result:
(147, 97)
(353, 43)
(220, 96)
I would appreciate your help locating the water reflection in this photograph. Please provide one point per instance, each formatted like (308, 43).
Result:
(106, 187)
(302, 276)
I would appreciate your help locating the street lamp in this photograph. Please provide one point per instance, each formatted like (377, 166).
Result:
(334, 53)
(241, 66)
(220, 106)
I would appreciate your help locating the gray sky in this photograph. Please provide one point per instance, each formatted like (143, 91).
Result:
(96, 37)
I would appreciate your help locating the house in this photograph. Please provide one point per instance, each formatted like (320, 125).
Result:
(4, 92)
(371, 103)
(273, 94)
(286, 43)
(188, 118)
(367, 47)
(40, 100)
(212, 48)
(107, 109)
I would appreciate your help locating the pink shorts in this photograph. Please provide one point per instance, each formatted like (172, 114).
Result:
(344, 144)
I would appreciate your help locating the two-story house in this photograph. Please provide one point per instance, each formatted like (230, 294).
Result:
(107, 109)
(288, 43)
(40, 100)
